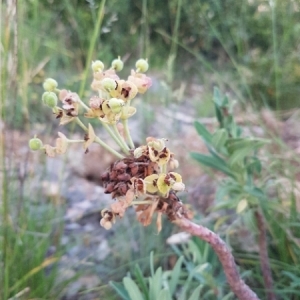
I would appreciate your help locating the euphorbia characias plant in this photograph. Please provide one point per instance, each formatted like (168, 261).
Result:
(142, 177)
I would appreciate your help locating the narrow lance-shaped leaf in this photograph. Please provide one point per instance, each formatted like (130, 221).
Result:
(211, 162)
(219, 139)
(175, 275)
(203, 132)
(196, 293)
(132, 289)
(155, 284)
(141, 280)
(164, 294)
(119, 288)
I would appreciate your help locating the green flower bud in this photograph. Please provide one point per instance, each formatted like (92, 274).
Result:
(142, 65)
(108, 84)
(97, 66)
(35, 144)
(50, 99)
(116, 105)
(50, 85)
(117, 64)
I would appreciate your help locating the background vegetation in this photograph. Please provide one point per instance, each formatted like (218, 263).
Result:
(249, 48)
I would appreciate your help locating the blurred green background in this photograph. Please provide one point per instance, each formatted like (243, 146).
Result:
(248, 48)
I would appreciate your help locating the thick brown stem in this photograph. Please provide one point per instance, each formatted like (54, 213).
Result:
(263, 255)
(236, 283)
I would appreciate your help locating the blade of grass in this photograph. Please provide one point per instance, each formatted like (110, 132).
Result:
(94, 38)
(275, 51)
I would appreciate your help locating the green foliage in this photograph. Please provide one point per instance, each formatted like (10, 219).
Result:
(27, 244)
(196, 274)
(246, 188)
(229, 152)
(245, 46)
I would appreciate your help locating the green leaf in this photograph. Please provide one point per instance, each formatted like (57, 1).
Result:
(132, 289)
(155, 284)
(164, 294)
(141, 280)
(203, 132)
(217, 97)
(212, 162)
(225, 101)
(187, 283)
(196, 293)
(175, 275)
(238, 143)
(254, 166)
(255, 191)
(119, 288)
(219, 138)
(242, 147)
(151, 263)
(238, 156)
(219, 116)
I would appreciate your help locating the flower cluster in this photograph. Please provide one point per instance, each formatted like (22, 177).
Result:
(142, 177)
(147, 175)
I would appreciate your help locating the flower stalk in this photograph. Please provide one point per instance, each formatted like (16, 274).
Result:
(236, 283)
(127, 133)
(99, 141)
(116, 138)
(123, 144)
(108, 148)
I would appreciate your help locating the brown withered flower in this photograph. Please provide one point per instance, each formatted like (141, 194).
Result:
(139, 179)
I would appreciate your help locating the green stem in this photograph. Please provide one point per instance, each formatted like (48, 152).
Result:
(83, 104)
(116, 139)
(92, 46)
(108, 148)
(163, 169)
(275, 52)
(127, 134)
(78, 121)
(99, 141)
(120, 138)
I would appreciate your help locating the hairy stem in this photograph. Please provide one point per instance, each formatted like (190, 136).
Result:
(263, 255)
(236, 283)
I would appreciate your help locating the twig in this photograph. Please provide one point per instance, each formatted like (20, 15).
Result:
(263, 255)
(236, 283)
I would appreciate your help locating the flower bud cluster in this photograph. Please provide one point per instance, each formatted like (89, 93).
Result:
(115, 94)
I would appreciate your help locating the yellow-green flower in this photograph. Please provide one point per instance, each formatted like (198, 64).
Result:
(151, 183)
(165, 182)
(160, 157)
(157, 144)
